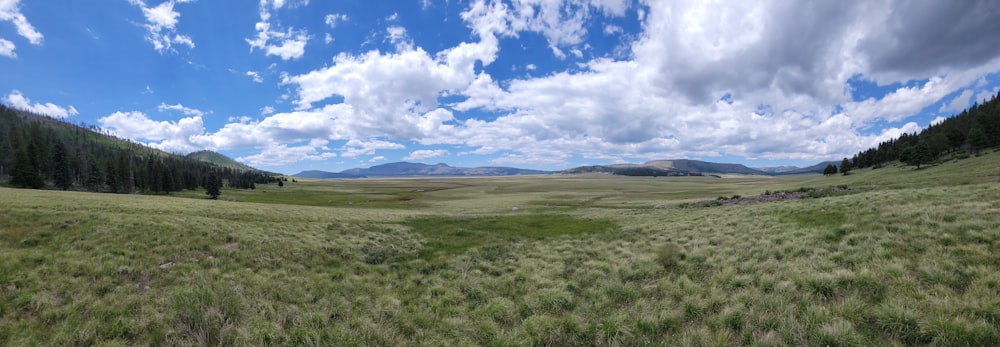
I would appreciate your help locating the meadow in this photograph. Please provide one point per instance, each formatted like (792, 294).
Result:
(905, 257)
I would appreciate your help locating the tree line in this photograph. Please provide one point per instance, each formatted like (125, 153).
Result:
(41, 152)
(976, 128)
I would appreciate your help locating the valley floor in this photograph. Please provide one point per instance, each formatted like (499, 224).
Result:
(906, 257)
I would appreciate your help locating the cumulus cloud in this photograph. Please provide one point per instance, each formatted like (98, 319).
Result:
(785, 66)
(761, 80)
(283, 154)
(562, 23)
(912, 39)
(255, 76)
(426, 154)
(172, 136)
(333, 18)
(959, 103)
(161, 25)
(10, 11)
(355, 148)
(287, 44)
(181, 108)
(986, 95)
(7, 48)
(18, 100)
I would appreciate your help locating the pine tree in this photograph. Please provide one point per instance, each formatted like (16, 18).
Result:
(918, 155)
(94, 177)
(977, 137)
(845, 166)
(26, 172)
(112, 177)
(213, 186)
(829, 170)
(60, 166)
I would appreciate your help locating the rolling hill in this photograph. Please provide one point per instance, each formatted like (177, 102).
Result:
(218, 159)
(677, 167)
(405, 169)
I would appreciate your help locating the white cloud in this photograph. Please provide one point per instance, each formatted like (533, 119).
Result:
(562, 23)
(18, 100)
(376, 159)
(426, 154)
(401, 106)
(612, 29)
(283, 154)
(161, 26)
(959, 103)
(986, 95)
(782, 69)
(354, 148)
(172, 136)
(7, 48)
(255, 76)
(187, 111)
(287, 44)
(332, 19)
(10, 12)
(266, 110)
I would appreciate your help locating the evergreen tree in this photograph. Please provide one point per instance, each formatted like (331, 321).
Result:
(918, 155)
(26, 172)
(213, 186)
(977, 137)
(60, 165)
(112, 177)
(94, 177)
(845, 166)
(830, 170)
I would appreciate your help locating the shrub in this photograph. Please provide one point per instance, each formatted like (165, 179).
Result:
(669, 256)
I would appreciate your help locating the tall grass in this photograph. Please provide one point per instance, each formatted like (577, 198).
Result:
(912, 265)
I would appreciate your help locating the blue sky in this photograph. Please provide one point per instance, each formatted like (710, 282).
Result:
(549, 84)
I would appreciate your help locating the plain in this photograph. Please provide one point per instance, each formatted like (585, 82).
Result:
(904, 257)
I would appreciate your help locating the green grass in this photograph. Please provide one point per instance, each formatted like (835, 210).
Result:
(910, 258)
(452, 235)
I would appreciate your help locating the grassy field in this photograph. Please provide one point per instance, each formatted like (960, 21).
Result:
(906, 257)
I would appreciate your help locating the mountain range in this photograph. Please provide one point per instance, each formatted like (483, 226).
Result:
(405, 169)
(677, 167)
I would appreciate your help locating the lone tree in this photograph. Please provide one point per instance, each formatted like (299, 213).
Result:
(830, 170)
(845, 166)
(213, 186)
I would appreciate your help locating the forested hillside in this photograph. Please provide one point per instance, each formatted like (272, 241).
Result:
(39, 152)
(969, 132)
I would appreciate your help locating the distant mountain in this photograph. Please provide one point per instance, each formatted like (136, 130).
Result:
(324, 174)
(818, 168)
(218, 159)
(778, 169)
(688, 165)
(405, 169)
(678, 167)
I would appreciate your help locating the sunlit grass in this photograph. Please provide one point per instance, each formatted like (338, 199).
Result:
(911, 259)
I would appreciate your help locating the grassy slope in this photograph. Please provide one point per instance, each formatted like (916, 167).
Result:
(912, 259)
